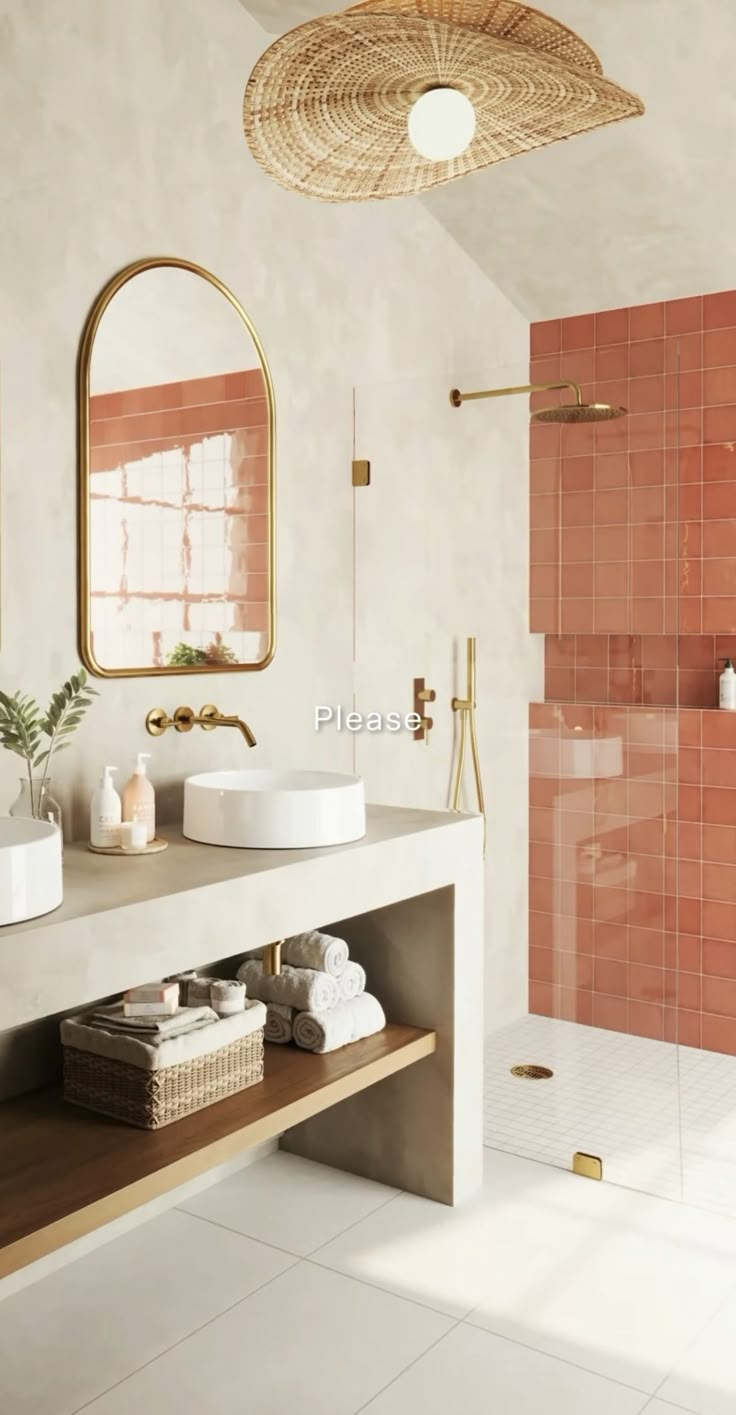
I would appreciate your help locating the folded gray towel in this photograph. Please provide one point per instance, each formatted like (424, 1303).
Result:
(316, 950)
(303, 988)
(155, 1029)
(279, 1023)
(348, 1022)
(351, 982)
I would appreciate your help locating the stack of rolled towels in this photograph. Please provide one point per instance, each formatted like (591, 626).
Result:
(318, 999)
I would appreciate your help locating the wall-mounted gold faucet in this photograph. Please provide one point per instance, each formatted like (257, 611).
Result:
(184, 719)
(466, 707)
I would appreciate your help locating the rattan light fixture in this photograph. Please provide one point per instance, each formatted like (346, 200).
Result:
(327, 107)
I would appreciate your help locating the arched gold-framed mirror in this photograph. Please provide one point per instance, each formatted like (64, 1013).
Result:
(176, 478)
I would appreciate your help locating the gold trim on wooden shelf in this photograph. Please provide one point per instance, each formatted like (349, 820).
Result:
(65, 1171)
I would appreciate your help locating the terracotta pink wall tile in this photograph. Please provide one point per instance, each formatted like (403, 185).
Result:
(644, 582)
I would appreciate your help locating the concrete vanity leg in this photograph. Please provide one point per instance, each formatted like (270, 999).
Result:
(420, 1130)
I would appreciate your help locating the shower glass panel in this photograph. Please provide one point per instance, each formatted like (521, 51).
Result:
(603, 955)
(441, 555)
(706, 864)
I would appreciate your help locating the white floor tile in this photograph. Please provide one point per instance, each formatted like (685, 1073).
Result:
(704, 1379)
(662, 1118)
(290, 1202)
(311, 1339)
(611, 1095)
(425, 1251)
(611, 1280)
(661, 1407)
(76, 1333)
(605, 1278)
(486, 1373)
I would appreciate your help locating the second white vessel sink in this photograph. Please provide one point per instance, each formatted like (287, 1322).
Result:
(30, 869)
(274, 810)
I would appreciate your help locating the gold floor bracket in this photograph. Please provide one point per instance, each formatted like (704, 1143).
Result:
(589, 1166)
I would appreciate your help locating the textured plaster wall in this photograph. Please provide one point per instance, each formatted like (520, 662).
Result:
(120, 137)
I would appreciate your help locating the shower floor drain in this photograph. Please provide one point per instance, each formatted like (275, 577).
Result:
(533, 1073)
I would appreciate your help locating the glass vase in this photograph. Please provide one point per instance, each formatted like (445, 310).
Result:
(35, 800)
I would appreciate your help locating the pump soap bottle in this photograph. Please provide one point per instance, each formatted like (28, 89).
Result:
(105, 813)
(139, 798)
(727, 687)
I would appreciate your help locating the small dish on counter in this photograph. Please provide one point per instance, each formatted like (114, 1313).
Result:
(154, 847)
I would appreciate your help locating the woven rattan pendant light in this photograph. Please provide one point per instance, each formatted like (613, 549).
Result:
(326, 106)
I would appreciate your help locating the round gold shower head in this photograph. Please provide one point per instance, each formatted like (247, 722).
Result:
(578, 413)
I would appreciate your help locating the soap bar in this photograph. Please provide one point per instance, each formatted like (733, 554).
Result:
(157, 993)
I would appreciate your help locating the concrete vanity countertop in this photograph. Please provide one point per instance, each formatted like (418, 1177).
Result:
(125, 921)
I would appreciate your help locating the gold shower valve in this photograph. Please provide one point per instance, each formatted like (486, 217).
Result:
(422, 695)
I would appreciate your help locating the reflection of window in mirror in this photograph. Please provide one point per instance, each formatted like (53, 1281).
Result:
(177, 478)
(179, 521)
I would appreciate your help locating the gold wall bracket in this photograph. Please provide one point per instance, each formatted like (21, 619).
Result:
(361, 473)
(588, 1166)
(422, 695)
(185, 718)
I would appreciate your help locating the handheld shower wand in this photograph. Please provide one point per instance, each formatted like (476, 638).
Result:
(466, 708)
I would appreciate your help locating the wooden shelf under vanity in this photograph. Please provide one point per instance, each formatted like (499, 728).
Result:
(65, 1171)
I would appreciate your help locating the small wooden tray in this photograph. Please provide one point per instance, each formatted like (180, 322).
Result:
(154, 847)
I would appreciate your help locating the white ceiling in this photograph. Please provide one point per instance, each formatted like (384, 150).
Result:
(639, 211)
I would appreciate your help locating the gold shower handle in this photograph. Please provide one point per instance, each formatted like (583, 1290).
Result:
(466, 708)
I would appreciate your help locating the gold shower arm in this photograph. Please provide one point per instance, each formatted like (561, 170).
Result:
(466, 707)
(457, 398)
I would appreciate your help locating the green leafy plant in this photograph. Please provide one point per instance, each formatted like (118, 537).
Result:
(23, 726)
(188, 656)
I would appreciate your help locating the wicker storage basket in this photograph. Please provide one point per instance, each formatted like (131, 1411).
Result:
(152, 1099)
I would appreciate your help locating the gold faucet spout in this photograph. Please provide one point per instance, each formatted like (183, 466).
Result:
(209, 719)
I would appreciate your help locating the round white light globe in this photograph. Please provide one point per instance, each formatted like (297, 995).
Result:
(441, 124)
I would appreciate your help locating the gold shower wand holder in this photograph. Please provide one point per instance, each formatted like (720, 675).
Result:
(466, 708)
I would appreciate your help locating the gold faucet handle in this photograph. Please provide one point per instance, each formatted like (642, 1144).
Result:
(184, 719)
(157, 722)
(208, 717)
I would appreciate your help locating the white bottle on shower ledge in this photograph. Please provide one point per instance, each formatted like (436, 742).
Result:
(106, 813)
(727, 687)
(139, 798)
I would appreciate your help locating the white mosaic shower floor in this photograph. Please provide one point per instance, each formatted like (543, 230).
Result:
(627, 1099)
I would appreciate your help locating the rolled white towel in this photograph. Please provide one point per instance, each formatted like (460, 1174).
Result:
(351, 982)
(348, 1022)
(198, 991)
(316, 950)
(279, 1023)
(303, 988)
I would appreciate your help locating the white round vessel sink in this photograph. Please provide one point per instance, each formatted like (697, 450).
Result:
(30, 869)
(274, 810)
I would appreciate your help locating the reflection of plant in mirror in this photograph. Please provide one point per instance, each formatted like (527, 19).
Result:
(23, 727)
(191, 656)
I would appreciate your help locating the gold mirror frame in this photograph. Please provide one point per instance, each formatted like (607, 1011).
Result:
(84, 485)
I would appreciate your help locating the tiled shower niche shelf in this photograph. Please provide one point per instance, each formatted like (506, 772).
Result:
(65, 1171)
